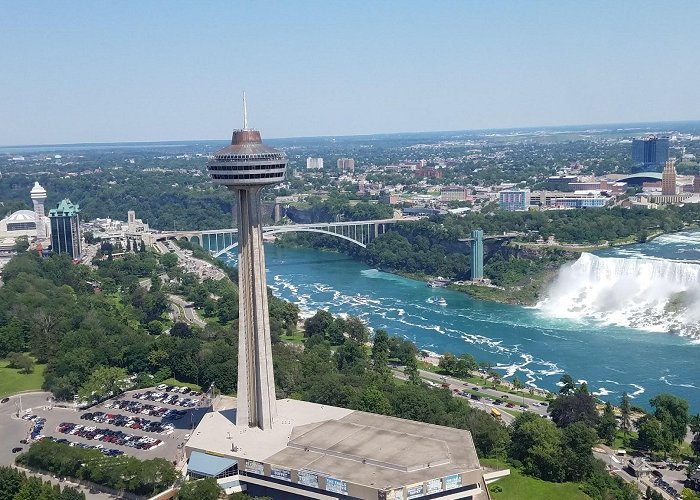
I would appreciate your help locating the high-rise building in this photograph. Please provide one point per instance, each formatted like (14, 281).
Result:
(668, 180)
(314, 163)
(65, 229)
(649, 154)
(696, 183)
(514, 200)
(245, 167)
(346, 165)
(477, 254)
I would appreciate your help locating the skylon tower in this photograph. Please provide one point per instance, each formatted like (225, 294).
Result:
(246, 167)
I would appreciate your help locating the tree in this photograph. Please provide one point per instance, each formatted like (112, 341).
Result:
(10, 482)
(411, 371)
(21, 362)
(694, 423)
(652, 436)
(569, 408)
(350, 357)
(380, 352)
(577, 441)
(625, 414)
(318, 324)
(567, 385)
(357, 330)
(21, 244)
(168, 260)
(201, 489)
(448, 363)
(607, 428)
(103, 381)
(517, 383)
(672, 412)
(373, 400)
(536, 443)
(181, 330)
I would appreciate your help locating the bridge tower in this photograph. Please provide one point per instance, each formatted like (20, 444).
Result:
(246, 167)
(477, 263)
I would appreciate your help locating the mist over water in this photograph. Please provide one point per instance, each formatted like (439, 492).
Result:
(646, 293)
(610, 350)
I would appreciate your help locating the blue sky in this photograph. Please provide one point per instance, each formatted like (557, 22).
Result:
(97, 71)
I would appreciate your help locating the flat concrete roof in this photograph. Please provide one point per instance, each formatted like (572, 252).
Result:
(362, 448)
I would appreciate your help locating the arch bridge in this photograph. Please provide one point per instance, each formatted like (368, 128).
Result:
(220, 241)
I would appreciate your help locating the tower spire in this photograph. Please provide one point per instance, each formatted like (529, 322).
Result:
(245, 113)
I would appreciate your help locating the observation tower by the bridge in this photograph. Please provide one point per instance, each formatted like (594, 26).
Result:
(246, 167)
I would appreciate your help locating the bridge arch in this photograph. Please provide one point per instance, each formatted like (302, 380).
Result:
(283, 229)
(195, 239)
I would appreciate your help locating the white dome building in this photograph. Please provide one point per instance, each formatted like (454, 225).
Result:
(19, 223)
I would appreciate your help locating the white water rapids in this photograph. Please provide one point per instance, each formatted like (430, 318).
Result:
(646, 293)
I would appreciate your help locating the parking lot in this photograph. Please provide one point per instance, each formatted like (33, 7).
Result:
(146, 423)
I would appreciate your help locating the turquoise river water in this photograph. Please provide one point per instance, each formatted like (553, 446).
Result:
(607, 319)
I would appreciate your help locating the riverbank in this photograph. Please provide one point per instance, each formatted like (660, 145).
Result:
(528, 294)
(521, 277)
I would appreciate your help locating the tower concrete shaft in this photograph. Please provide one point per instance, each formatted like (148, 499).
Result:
(256, 382)
(245, 167)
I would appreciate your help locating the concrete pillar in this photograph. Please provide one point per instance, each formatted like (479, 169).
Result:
(256, 381)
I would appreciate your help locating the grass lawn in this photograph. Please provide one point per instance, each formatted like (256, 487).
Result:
(174, 381)
(622, 442)
(518, 486)
(12, 381)
(296, 338)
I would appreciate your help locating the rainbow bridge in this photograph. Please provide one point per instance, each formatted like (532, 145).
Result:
(220, 241)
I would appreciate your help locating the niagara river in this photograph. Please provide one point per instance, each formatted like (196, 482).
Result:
(623, 319)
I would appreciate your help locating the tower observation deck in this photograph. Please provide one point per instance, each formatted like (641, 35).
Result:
(245, 167)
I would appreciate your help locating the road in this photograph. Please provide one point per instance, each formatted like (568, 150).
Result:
(481, 405)
(191, 315)
(533, 404)
(484, 403)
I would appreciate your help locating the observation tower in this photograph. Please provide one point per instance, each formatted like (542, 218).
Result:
(246, 167)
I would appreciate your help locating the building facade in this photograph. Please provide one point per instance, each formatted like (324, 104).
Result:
(668, 180)
(454, 193)
(649, 154)
(514, 200)
(346, 165)
(314, 163)
(65, 229)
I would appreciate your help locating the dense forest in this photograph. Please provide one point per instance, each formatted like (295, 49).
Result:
(76, 320)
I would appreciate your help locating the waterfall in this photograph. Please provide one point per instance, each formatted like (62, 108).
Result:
(646, 293)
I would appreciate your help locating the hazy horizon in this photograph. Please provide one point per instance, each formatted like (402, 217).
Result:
(82, 72)
(575, 128)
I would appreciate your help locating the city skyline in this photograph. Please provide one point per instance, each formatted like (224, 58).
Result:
(343, 69)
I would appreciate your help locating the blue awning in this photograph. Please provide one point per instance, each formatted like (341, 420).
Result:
(208, 465)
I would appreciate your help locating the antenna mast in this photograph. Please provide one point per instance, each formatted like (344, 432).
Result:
(245, 113)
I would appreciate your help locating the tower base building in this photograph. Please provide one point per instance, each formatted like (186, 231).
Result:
(325, 452)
